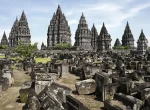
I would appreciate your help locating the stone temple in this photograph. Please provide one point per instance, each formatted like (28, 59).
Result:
(127, 38)
(58, 30)
(83, 35)
(117, 43)
(104, 40)
(142, 43)
(94, 37)
(4, 40)
(20, 31)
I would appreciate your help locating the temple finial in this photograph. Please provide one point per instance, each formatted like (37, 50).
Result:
(103, 24)
(82, 14)
(93, 25)
(127, 23)
(141, 30)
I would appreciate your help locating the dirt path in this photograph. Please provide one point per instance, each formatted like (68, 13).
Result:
(69, 80)
(10, 97)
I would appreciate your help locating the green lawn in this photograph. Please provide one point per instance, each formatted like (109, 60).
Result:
(43, 60)
(2, 56)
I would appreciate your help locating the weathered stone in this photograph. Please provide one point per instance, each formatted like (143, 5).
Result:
(32, 101)
(24, 91)
(9, 76)
(74, 104)
(5, 83)
(83, 41)
(58, 30)
(104, 40)
(127, 38)
(86, 86)
(54, 96)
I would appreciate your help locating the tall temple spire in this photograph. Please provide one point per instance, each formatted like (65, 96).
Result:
(43, 47)
(4, 40)
(142, 43)
(127, 24)
(142, 35)
(82, 14)
(104, 40)
(58, 10)
(117, 43)
(127, 38)
(13, 34)
(23, 30)
(103, 24)
(83, 35)
(94, 37)
(23, 16)
(58, 29)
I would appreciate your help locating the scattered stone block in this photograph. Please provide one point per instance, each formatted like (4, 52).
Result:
(86, 86)
(5, 83)
(24, 91)
(74, 104)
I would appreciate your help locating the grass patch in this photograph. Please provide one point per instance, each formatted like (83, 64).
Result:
(2, 56)
(14, 67)
(23, 96)
(43, 60)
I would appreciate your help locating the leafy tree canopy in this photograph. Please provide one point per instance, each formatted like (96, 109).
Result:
(62, 46)
(25, 50)
(3, 46)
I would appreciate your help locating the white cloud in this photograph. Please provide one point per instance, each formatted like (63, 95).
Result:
(70, 22)
(129, 1)
(107, 7)
(117, 13)
(69, 13)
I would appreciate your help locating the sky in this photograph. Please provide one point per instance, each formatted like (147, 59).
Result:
(114, 13)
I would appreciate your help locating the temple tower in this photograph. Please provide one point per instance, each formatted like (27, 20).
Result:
(83, 35)
(104, 40)
(43, 47)
(127, 38)
(142, 43)
(117, 43)
(23, 33)
(4, 40)
(94, 37)
(13, 34)
(58, 30)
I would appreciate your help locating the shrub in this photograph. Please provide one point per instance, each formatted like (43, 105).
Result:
(121, 48)
(62, 46)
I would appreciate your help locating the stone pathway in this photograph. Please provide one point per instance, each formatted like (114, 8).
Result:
(10, 97)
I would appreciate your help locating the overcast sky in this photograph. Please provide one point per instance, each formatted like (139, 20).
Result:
(114, 13)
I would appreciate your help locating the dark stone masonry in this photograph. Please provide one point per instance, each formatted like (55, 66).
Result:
(20, 31)
(89, 76)
(83, 35)
(58, 30)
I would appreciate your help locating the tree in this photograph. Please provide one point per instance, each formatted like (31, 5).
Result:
(62, 46)
(148, 48)
(25, 50)
(3, 46)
